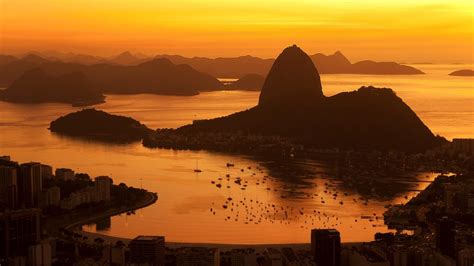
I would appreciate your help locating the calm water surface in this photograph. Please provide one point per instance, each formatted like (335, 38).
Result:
(281, 208)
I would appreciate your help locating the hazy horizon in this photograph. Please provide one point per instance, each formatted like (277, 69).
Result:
(367, 30)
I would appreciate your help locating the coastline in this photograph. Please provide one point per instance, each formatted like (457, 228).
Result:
(150, 199)
(221, 246)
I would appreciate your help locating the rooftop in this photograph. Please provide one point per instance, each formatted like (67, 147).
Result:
(150, 238)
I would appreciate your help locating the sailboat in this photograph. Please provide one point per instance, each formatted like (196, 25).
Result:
(197, 170)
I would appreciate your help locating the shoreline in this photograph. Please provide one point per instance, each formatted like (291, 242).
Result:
(150, 199)
(221, 246)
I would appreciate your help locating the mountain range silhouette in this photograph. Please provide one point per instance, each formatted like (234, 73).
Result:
(157, 76)
(292, 104)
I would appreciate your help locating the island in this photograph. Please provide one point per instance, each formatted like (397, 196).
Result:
(99, 125)
(252, 82)
(337, 63)
(463, 73)
(293, 112)
(35, 86)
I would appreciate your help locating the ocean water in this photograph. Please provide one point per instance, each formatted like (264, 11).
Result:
(288, 199)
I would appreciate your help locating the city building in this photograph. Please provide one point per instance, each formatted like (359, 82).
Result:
(366, 256)
(273, 257)
(31, 184)
(40, 254)
(46, 171)
(243, 257)
(147, 249)
(103, 185)
(466, 257)
(5, 157)
(197, 256)
(326, 247)
(19, 229)
(289, 257)
(114, 255)
(53, 196)
(463, 145)
(64, 174)
(83, 196)
(8, 187)
(446, 237)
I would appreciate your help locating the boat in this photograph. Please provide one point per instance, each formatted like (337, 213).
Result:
(197, 170)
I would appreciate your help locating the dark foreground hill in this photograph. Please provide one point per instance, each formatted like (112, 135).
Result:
(463, 72)
(292, 106)
(158, 76)
(99, 125)
(35, 86)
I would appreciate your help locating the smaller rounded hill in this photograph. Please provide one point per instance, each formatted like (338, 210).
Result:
(463, 73)
(99, 125)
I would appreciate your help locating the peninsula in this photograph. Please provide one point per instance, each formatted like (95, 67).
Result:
(292, 108)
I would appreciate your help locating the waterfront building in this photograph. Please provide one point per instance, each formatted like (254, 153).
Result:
(114, 255)
(103, 185)
(19, 229)
(197, 256)
(366, 256)
(40, 254)
(243, 257)
(463, 146)
(398, 255)
(31, 184)
(46, 171)
(446, 237)
(8, 186)
(53, 196)
(147, 249)
(273, 257)
(289, 257)
(64, 174)
(326, 247)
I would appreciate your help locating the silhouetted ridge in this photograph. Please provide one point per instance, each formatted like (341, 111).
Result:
(293, 108)
(96, 124)
(293, 82)
(158, 76)
(35, 86)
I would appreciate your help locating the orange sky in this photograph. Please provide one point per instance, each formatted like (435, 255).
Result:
(403, 30)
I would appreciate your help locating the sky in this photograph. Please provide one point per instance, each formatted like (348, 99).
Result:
(402, 30)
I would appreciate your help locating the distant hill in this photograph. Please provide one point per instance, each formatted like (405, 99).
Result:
(339, 64)
(463, 72)
(127, 58)
(99, 125)
(247, 82)
(6, 59)
(292, 105)
(35, 86)
(70, 57)
(158, 76)
(225, 67)
(236, 67)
